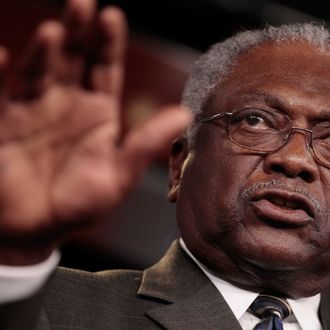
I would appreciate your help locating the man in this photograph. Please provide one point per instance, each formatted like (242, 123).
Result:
(250, 178)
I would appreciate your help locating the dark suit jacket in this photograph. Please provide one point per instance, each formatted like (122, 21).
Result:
(173, 294)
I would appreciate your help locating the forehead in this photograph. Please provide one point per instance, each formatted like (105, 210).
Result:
(293, 73)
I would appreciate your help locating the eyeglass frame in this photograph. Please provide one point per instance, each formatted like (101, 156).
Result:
(293, 129)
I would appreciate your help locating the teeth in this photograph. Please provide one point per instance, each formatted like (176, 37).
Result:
(281, 202)
(277, 201)
(290, 204)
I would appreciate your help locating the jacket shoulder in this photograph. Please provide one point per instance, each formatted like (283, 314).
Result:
(95, 300)
(83, 283)
(101, 288)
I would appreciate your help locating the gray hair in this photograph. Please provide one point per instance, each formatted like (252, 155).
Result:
(215, 64)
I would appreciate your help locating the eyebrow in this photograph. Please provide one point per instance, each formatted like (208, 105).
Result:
(270, 99)
(324, 114)
(280, 103)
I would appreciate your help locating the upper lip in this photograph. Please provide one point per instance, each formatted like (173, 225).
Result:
(285, 198)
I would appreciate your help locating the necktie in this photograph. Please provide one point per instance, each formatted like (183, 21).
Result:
(271, 310)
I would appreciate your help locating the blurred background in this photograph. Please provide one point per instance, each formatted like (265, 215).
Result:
(166, 37)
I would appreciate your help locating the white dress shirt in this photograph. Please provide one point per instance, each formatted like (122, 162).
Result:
(305, 310)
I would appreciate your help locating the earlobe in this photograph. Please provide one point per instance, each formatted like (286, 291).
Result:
(178, 162)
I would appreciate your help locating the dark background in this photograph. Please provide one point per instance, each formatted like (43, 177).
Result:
(166, 38)
(199, 23)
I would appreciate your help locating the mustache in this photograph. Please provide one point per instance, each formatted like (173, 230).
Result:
(247, 194)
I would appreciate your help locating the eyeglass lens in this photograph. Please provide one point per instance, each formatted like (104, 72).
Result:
(267, 131)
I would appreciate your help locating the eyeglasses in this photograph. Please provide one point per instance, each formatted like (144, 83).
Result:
(264, 132)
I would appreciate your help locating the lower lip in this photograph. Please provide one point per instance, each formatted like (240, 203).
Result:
(280, 216)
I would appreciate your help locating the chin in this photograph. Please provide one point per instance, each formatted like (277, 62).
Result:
(288, 257)
(294, 274)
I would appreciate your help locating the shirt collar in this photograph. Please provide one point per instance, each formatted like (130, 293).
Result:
(306, 311)
(239, 300)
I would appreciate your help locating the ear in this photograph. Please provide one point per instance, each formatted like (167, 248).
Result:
(178, 160)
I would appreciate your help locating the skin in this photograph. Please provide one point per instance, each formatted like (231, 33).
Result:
(221, 227)
(60, 132)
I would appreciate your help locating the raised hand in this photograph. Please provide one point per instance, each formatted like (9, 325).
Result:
(63, 159)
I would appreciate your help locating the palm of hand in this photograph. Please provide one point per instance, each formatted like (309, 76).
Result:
(61, 160)
(58, 159)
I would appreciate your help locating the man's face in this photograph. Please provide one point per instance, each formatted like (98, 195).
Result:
(262, 221)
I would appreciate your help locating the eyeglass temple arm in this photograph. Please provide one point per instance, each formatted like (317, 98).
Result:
(216, 116)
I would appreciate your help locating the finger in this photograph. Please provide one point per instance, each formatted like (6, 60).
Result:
(108, 68)
(79, 14)
(146, 143)
(4, 62)
(36, 70)
(79, 19)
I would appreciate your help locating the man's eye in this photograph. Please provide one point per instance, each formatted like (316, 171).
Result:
(322, 133)
(326, 139)
(254, 120)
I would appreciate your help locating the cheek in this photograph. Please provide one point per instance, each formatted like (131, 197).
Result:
(221, 171)
(323, 229)
(210, 196)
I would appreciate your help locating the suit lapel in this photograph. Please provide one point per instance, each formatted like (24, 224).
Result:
(190, 300)
(325, 309)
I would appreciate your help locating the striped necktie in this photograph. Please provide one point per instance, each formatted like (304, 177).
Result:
(271, 310)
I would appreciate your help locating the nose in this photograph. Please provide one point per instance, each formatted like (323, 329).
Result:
(294, 159)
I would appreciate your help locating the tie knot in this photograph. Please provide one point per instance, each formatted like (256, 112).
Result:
(266, 305)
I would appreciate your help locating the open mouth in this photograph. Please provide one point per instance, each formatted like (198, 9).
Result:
(282, 207)
(292, 203)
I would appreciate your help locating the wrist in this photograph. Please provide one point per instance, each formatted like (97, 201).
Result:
(20, 282)
(23, 256)
(21, 250)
